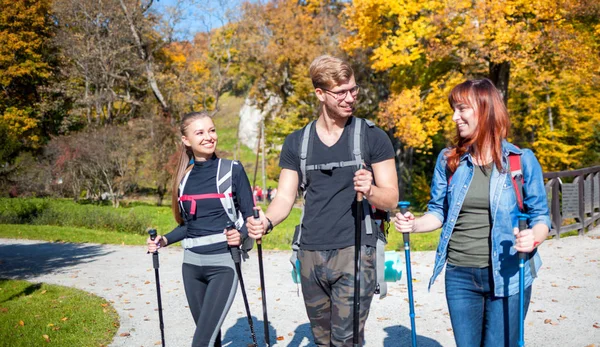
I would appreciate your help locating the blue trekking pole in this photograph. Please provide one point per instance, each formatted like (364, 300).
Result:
(153, 233)
(403, 205)
(522, 226)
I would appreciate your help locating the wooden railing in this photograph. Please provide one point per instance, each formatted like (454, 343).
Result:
(578, 201)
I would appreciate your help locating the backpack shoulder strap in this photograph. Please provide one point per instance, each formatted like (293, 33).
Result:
(516, 174)
(304, 154)
(182, 186)
(224, 186)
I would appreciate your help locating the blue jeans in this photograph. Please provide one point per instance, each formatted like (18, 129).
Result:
(478, 317)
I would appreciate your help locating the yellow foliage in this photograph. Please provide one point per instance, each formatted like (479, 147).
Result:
(427, 47)
(22, 124)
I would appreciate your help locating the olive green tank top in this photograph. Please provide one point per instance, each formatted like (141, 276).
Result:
(470, 241)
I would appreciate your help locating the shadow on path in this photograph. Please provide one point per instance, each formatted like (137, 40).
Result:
(239, 334)
(399, 335)
(302, 332)
(23, 261)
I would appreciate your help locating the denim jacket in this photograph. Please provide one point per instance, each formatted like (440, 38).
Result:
(447, 199)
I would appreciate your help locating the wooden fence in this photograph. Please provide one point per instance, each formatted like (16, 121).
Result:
(576, 204)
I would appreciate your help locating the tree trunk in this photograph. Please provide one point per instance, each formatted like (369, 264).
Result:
(161, 190)
(550, 117)
(147, 59)
(500, 74)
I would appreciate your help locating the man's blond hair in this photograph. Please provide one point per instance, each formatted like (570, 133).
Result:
(327, 72)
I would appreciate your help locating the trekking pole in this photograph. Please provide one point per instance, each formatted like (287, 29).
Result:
(237, 259)
(152, 233)
(357, 246)
(406, 237)
(522, 256)
(263, 293)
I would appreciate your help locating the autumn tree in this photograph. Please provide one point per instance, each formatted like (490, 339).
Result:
(104, 78)
(27, 61)
(428, 47)
(279, 41)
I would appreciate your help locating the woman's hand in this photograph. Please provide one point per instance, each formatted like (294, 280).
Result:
(154, 245)
(257, 227)
(234, 239)
(405, 223)
(524, 240)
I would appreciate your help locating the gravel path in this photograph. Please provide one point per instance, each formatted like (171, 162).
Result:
(565, 308)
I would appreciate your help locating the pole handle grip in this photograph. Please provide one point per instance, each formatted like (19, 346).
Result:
(152, 233)
(236, 254)
(256, 216)
(522, 226)
(403, 205)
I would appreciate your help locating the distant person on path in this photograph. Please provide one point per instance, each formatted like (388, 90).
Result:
(474, 202)
(326, 244)
(259, 193)
(209, 275)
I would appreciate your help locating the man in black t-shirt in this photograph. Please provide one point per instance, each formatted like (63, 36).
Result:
(328, 227)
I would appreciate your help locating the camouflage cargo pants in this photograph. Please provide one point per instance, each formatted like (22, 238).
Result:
(327, 279)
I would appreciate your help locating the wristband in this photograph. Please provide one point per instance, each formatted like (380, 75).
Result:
(536, 243)
(269, 226)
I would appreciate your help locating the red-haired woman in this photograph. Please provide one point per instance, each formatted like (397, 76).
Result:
(203, 211)
(474, 202)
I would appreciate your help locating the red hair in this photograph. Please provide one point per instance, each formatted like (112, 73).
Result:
(493, 122)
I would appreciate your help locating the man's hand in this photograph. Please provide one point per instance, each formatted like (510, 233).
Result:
(257, 227)
(363, 180)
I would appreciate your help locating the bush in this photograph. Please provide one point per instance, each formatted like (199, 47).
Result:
(21, 211)
(69, 213)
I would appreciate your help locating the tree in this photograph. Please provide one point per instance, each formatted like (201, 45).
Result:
(428, 47)
(26, 64)
(104, 78)
(279, 40)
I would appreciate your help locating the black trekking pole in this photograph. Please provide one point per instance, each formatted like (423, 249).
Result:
(263, 293)
(152, 233)
(237, 259)
(522, 256)
(357, 246)
(406, 237)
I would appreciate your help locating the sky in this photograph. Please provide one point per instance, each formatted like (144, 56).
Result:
(198, 15)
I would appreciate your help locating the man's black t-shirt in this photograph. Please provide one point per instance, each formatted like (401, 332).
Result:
(328, 221)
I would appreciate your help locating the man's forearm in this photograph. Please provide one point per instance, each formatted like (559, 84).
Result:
(383, 198)
(279, 209)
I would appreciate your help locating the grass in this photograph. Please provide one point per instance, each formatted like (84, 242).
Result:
(68, 234)
(37, 314)
(161, 219)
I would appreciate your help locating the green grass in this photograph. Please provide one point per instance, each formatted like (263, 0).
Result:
(42, 314)
(418, 242)
(66, 224)
(68, 234)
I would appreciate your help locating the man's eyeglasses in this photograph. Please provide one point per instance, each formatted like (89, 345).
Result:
(341, 95)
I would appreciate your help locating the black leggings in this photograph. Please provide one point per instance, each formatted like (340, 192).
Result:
(210, 290)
